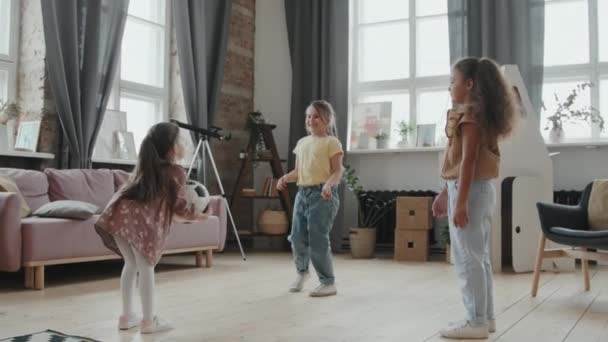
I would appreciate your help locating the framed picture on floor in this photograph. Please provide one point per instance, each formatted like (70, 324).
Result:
(27, 136)
(425, 135)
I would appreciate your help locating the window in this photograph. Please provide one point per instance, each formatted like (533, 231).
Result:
(400, 56)
(141, 88)
(576, 51)
(8, 49)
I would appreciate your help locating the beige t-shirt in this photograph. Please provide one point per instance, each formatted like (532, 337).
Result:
(488, 160)
(313, 158)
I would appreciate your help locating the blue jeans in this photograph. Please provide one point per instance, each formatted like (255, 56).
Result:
(471, 246)
(313, 219)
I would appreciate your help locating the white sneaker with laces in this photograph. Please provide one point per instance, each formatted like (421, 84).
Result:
(155, 326)
(491, 324)
(126, 322)
(465, 330)
(298, 285)
(324, 291)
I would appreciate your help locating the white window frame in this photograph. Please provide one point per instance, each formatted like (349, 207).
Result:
(412, 85)
(9, 62)
(144, 90)
(594, 71)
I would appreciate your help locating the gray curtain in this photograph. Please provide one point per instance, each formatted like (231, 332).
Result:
(510, 32)
(201, 29)
(318, 44)
(83, 39)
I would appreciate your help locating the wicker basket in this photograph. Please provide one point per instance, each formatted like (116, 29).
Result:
(362, 242)
(273, 222)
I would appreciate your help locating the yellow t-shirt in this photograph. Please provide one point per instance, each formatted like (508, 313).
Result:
(313, 158)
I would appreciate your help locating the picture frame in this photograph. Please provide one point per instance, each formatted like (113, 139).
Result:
(425, 135)
(124, 145)
(113, 121)
(369, 119)
(27, 136)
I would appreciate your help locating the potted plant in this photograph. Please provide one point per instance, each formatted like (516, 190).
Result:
(381, 140)
(404, 130)
(370, 212)
(565, 112)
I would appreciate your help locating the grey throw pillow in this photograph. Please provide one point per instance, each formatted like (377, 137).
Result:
(67, 209)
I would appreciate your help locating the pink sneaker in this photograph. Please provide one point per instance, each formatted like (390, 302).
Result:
(126, 322)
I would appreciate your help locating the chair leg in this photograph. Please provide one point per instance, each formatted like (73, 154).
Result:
(29, 277)
(585, 264)
(199, 258)
(39, 278)
(208, 258)
(539, 263)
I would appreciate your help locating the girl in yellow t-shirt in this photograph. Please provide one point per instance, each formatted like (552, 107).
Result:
(317, 173)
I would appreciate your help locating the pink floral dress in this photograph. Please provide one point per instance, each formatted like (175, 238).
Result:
(143, 224)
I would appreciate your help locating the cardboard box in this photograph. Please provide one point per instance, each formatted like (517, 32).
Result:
(414, 213)
(411, 245)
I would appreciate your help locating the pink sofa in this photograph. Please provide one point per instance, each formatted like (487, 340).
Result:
(35, 242)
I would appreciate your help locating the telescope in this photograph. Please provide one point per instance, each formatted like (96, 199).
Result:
(211, 132)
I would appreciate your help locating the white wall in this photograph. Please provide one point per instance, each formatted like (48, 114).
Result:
(575, 167)
(272, 75)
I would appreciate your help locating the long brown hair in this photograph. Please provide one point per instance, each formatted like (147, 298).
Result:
(150, 181)
(491, 94)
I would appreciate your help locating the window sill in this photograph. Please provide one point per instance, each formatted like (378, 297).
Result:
(579, 143)
(27, 154)
(430, 149)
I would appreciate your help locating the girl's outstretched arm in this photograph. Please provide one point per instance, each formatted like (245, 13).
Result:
(335, 178)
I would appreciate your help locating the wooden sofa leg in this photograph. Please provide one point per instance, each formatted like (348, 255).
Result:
(39, 278)
(29, 277)
(199, 258)
(585, 264)
(539, 263)
(208, 258)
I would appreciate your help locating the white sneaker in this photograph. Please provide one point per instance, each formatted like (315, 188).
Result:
(157, 325)
(324, 291)
(491, 324)
(465, 330)
(298, 285)
(126, 322)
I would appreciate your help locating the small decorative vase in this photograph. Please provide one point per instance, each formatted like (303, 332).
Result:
(595, 130)
(556, 135)
(381, 143)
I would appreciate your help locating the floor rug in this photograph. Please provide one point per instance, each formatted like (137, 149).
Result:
(48, 336)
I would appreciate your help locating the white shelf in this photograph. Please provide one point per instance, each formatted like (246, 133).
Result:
(432, 149)
(27, 154)
(579, 143)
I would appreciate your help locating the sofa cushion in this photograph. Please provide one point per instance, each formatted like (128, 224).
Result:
(67, 209)
(195, 234)
(33, 185)
(92, 186)
(54, 238)
(120, 178)
(7, 184)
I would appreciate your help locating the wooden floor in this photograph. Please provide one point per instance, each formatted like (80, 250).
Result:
(378, 300)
